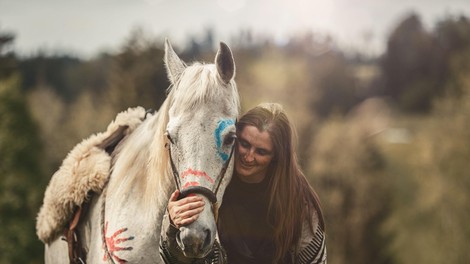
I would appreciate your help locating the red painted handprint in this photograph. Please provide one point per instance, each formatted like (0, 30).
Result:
(112, 243)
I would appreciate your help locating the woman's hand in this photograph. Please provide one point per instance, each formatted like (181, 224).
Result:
(185, 211)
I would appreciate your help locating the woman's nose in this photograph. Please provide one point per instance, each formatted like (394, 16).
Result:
(249, 156)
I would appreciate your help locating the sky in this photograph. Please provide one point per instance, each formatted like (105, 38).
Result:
(88, 27)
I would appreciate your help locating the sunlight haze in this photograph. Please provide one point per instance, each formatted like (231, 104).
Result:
(87, 27)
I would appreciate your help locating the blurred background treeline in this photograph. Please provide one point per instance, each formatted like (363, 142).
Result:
(384, 140)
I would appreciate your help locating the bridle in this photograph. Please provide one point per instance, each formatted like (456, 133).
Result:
(210, 194)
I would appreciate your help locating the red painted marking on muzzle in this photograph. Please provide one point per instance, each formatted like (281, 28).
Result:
(192, 183)
(197, 174)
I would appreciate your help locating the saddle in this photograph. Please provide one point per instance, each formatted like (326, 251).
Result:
(85, 170)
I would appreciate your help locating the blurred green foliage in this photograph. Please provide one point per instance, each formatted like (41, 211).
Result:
(22, 179)
(384, 140)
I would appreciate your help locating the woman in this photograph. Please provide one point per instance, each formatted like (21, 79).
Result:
(270, 213)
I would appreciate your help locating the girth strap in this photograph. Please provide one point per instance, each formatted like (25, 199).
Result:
(77, 254)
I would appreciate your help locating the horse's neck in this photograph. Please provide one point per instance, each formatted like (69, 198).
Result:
(138, 192)
(141, 170)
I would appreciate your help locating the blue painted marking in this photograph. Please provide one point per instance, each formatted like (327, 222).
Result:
(221, 126)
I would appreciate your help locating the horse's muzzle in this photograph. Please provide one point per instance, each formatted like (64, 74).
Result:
(195, 242)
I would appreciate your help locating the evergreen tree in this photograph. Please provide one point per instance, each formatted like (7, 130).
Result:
(413, 66)
(21, 182)
(137, 75)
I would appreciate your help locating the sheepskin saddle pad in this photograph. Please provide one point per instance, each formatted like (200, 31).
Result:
(85, 169)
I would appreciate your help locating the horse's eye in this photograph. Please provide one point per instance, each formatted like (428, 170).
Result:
(167, 134)
(230, 138)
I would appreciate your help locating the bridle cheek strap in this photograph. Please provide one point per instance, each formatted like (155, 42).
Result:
(215, 210)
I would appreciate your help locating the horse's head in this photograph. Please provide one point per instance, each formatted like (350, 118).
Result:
(201, 137)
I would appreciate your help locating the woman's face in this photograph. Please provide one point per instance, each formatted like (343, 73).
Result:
(255, 152)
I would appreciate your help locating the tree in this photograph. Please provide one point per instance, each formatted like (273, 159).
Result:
(137, 75)
(7, 57)
(56, 72)
(336, 91)
(412, 66)
(21, 182)
(453, 36)
(347, 168)
(433, 181)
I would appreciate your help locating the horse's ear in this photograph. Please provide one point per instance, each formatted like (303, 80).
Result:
(174, 65)
(225, 63)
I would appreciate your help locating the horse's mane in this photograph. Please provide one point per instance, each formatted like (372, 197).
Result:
(134, 163)
(142, 160)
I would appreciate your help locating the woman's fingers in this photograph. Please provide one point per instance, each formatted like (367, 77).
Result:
(174, 195)
(189, 205)
(188, 221)
(186, 210)
(188, 217)
(193, 209)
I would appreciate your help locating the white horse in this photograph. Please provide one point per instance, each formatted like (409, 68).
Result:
(187, 144)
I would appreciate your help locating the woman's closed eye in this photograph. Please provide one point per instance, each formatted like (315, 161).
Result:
(262, 152)
(244, 143)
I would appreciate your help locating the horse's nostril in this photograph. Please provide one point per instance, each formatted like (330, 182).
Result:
(179, 241)
(207, 240)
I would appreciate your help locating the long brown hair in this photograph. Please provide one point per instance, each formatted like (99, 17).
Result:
(291, 198)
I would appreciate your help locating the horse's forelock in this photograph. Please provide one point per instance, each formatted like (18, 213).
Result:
(200, 84)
